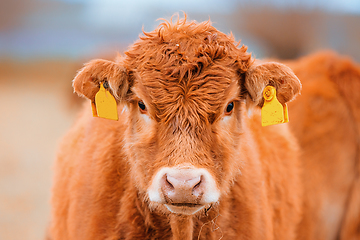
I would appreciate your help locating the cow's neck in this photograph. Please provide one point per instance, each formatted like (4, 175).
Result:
(182, 227)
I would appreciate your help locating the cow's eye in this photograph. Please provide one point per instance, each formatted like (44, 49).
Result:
(229, 108)
(142, 106)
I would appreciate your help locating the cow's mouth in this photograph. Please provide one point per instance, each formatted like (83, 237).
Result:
(185, 204)
(184, 208)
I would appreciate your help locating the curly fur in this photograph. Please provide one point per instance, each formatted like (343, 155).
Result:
(186, 73)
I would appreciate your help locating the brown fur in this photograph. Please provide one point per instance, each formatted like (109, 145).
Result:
(186, 74)
(326, 120)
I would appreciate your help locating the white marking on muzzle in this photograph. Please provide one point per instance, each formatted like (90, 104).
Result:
(211, 191)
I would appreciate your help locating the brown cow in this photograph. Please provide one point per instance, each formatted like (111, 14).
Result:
(326, 120)
(186, 160)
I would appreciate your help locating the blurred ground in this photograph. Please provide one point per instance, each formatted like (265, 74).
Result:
(35, 111)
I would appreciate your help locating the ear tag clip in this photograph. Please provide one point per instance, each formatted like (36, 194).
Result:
(104, 105)
(273, 112)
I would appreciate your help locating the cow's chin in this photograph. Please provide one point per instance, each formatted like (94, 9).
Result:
(185, 209)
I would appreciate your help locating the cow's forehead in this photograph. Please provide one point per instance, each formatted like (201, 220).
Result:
(186, 68)
(202, 94)
(184, 49)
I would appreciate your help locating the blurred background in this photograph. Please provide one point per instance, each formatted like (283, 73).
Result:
(44, 42)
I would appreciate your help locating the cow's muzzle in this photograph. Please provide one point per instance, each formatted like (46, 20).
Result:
(183, 189)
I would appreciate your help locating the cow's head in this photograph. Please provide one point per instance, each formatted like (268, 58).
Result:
(186, 87)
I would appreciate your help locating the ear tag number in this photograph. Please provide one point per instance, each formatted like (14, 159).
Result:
(105, 104)
(273, 112)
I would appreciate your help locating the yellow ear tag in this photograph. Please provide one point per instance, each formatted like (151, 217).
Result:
(273, 112)
(105, 104)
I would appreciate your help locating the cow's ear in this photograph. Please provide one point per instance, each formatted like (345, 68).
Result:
(87, 81)
(275, 74)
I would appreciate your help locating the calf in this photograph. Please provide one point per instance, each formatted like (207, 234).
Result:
(186, 159)
(325, 119)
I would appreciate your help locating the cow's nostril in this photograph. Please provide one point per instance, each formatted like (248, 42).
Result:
(198, 184)
(198, 190)
(168, 184)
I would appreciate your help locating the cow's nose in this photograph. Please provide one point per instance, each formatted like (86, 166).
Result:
(183, 188)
